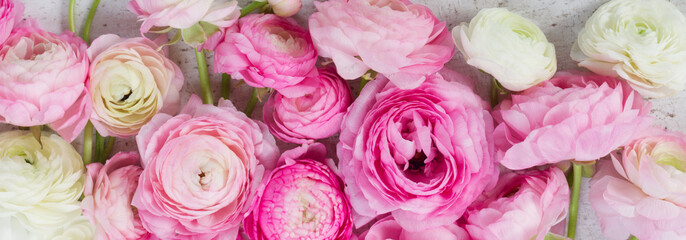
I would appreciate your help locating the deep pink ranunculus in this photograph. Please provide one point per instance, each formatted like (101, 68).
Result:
(42, 75)
(641, 192)
(423, 154)
(107, 198)
(523, 205)
(201, 170)
(184, 14)
(388, 229)
(573, 116)
(10, 14)
(399, 39)
(313, 116)
(302, 198)
(269, 51)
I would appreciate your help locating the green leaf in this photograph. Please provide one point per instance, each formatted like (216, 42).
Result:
(552, 236)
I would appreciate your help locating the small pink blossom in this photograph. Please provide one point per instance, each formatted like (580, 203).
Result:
(10, 14)
(573, 116)
(183, 14)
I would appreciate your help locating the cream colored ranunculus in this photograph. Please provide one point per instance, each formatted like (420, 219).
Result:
(508, 46)
(40, 185)
(130, 82)
(641, 41)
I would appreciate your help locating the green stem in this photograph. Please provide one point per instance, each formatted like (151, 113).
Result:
(574, 202)
(226, 86)
(88, 144)
(108, 147)
(71, 16)
(495, 92)
(89, 21)
(252, 7)
(251, 103)
(204, 76)
(99, 147)
(633, 237)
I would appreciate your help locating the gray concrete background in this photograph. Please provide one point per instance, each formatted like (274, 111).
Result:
(560, 20)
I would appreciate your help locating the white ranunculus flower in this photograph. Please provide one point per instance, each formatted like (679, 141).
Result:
(509, 47)
(39, 185)
(641, 41)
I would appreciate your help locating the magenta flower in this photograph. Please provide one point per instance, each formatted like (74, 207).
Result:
(574, 116)
(523, 205)
(107, 198)
(312, 116)
(388, 229)
(423, 154)
(10, 14)
(303, 198)
(201, 171)
(399, 39)
(42, 75)
(268, 51)
(642, 192)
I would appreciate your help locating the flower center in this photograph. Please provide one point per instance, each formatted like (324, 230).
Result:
(416, 164)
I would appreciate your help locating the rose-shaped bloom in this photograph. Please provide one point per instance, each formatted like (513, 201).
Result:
(574, 116)
(641, 41)
(643, 192)
(42, 75)
(388, 229)
(107, 197)
(423, 154)
(523, 205)
(191, 16)
(310, 117)
(268, 51)
(301, 199)
(130, 82)
(200, 170)
(285, 8)
(10, 14)
(401, 40)
(509, 47)
(40, 183)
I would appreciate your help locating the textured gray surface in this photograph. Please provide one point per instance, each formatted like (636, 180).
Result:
(560, 20)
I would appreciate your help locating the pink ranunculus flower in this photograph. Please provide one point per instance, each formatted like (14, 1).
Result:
(42, 75)
(10, 14)
(388, 229)
(201, 169)
(642, 192)
(399, 39)
(523, 205)
(269, 51)
(310, 117)
(423, 154)
(184, 14)
(107, 197)
(130, 81)
(302, 198)
(573, 116)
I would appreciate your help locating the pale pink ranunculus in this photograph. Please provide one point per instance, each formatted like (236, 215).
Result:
(399, 39)
(388, 229)
(423, 154)
(184, 14)
(301, 199)
(201, 169)
(107, 198)
(129, 82)
(10, 14)
(269, 51)
(42, 75)
(642, 192)
(573, 116)
(313, 116)
(523, 205)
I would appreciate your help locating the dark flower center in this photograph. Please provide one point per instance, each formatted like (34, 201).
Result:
(417, 162)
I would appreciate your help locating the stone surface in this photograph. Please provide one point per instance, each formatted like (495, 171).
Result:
(560, 20)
